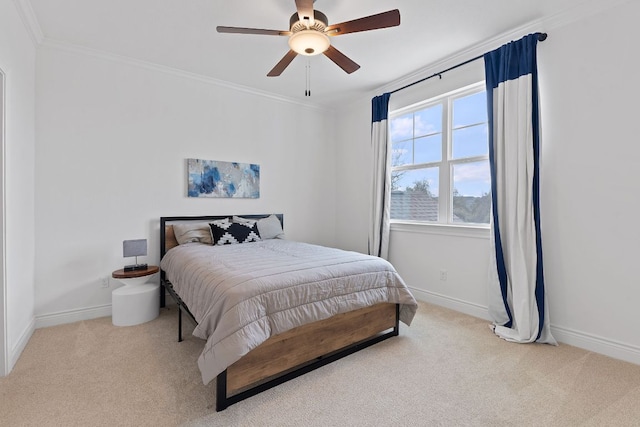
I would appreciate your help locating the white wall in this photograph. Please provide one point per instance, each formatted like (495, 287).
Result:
(17, 61)
(110, 160)
(590, 177)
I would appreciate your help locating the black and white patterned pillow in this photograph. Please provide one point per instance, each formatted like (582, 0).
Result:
(231, 233)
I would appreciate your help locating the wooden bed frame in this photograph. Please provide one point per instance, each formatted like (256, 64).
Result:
(292, 353)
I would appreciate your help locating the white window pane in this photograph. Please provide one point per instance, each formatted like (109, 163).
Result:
(414, 194)
(471, 192)
(449, 134)
(401, 127)
(471, 141)
(428, 121)
(470, 110)
(428, 149)
(402, 153)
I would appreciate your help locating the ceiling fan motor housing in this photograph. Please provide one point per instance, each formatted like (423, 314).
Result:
(309, 38)
(320, 22)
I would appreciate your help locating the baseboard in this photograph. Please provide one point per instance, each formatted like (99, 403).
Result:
(600, 345)
(70, 316)
(17, 350)
(596, 344)
(461, 306)
(578, 339)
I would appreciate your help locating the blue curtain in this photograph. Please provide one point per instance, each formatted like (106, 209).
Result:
(517, 299)
(381, 179)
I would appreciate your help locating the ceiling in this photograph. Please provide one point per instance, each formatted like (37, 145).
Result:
(181, 34)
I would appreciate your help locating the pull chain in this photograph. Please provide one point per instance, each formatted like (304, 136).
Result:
(307, 91)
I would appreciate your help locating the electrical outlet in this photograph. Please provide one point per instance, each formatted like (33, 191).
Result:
(104, 282)
(443, 275)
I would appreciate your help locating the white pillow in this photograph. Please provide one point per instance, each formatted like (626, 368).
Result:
(190, 232)
(270, 228)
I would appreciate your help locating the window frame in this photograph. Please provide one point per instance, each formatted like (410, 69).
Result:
(446, 163)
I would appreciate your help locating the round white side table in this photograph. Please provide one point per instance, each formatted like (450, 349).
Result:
(137, 301)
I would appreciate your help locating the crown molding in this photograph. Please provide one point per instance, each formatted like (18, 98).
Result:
(581, 11)
(560, 19)
(49, 43)
(568, 16)
(29, 20)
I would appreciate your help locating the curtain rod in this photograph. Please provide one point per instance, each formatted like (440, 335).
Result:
(541, 37)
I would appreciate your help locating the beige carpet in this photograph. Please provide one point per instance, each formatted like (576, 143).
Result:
(447, 369)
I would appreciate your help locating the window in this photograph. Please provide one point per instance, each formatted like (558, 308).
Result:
(440, 159)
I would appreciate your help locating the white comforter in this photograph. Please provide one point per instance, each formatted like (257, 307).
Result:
(242, 294)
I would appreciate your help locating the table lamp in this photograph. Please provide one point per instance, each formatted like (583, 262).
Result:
(134, 248)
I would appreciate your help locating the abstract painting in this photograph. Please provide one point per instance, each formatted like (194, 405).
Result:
(212, 178)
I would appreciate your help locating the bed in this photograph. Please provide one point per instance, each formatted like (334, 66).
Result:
(271, 309)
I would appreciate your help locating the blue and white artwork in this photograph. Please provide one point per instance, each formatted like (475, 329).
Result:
(212, 178)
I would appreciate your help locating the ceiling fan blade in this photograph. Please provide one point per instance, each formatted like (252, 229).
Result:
(305, 9)
(387, 19)
(341, 60)
(240, 30)
(284, 63)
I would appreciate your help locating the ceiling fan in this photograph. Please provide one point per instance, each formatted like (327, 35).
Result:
(309, 33)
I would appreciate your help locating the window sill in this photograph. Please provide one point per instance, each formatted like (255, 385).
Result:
(474, 231)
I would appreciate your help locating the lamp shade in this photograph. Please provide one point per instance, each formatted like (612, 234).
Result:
(309, 42)
(136, 247)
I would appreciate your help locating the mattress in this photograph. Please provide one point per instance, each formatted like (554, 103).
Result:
(242, 294)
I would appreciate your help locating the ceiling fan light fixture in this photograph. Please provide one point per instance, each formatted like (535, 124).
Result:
(309, 34)
(309, 42)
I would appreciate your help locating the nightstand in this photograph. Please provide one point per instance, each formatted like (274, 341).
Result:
(137, 301)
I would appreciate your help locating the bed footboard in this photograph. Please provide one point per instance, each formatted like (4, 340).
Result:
(300, 350)
(304, 349)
